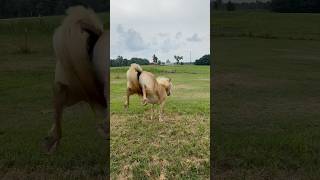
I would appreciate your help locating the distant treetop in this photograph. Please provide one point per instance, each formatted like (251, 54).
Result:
(31, 8)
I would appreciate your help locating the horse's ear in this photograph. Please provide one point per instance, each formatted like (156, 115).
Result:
(169, 79)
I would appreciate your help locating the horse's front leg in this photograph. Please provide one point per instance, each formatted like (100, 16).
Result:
(104, 128)
(161, 111)
(51, 142)
(152, 111)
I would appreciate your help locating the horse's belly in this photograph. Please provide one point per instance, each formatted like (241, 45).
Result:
(153, 99)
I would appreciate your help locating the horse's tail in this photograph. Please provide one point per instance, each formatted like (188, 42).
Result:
(73, 43)
(136, 67)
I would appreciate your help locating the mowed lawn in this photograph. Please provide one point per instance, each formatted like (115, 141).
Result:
(142, 148)
(26, 111)
(266, 110)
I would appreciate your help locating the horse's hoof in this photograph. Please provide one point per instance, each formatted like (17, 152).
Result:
(103, 131)
(50, 144)
(144, 102)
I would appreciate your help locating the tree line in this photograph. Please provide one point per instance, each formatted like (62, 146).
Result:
(283, 6)
(204, 60)
(31, 8)
(296, 6)
(120, 61)
(231, 5)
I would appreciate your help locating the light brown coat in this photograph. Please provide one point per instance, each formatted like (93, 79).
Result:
(153, 90)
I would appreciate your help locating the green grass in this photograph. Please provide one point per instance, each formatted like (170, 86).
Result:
(26, 111)
(266, 97)
(142, 148)
(266, 25)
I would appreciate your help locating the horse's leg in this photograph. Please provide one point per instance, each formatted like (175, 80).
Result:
(51, 142)
(144, 95)
(152, 111)
(103, 128)
(161, 111)
(126, 103)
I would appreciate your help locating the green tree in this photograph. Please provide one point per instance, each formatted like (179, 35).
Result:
(154, 59)
(178, 58)
(230, 6)
(204, 60)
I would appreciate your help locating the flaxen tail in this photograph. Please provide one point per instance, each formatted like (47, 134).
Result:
(73, 44)
(136, 67)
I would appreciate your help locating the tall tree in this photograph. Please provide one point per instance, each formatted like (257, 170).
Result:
(178, 58)
(154, 59)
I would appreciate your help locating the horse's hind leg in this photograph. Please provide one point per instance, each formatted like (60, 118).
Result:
(126, 103)
(104, 128)
(51, 142)
(144, 95)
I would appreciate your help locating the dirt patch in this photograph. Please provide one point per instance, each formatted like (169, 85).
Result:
(126, 171)
(194, 161)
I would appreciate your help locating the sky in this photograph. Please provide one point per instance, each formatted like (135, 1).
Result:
(240, 1)
(141, 28)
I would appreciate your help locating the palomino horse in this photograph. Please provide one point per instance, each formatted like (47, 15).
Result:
(82, 50)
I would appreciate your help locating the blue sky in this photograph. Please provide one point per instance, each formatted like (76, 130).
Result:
(141, 28)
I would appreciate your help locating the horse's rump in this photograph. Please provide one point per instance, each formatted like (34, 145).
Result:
(74, 44)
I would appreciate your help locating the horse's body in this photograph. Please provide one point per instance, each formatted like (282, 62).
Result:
(82, 70)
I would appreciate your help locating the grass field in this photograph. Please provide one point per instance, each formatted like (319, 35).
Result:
(266, 96)
(177, 148)
(26, 110)
(256, 24)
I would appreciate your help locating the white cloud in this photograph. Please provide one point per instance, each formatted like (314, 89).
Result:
(170, 45)
(194, 38)
(163, 34)
(178, 35)
(132, 40)
(141, 28)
